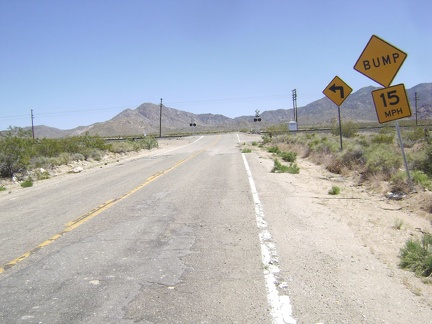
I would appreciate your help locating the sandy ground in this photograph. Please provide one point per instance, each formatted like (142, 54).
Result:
(340, 253)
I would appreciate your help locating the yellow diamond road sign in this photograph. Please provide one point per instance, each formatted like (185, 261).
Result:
(391, 103)
(337, 91)
(380, 61)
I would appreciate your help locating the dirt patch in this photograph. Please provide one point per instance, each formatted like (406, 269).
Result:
(340, 253)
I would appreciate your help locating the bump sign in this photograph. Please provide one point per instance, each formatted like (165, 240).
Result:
(380, 61)
(391, 103)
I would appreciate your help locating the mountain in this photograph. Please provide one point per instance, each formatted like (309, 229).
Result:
(145, 119)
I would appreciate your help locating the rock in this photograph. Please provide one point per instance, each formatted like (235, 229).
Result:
(77, 169)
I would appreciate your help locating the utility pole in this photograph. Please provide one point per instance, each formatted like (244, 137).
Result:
(160, 120)
(32, 117)
(415, 100)
(294, 97)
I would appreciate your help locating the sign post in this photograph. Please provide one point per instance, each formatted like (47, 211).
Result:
(381, 61)
(337, 91)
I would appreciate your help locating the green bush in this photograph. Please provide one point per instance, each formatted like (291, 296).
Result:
(273, 149)
(2, 188)
(246, 150)
(381, 159)
(281, 168)
(293, 168)
(383, 138)
(288, 156)
(349, 129)
(416, 255)
(427, 163)
(421, 178)
(15, 152)
(27, 183)
(266, 139)
(335, 190)
(351, 158)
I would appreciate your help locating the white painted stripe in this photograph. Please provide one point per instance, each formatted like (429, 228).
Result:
(281, 309)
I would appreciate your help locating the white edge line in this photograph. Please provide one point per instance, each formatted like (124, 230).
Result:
(281, 308)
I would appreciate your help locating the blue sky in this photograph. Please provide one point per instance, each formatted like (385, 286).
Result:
(84, 61)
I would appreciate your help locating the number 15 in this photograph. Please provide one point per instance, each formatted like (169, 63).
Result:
(392, 98)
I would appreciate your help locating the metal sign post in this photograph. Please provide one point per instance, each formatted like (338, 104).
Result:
(337, 91)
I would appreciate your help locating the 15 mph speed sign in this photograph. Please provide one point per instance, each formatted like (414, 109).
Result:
(391, 103)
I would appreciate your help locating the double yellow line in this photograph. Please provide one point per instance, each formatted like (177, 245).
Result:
(99, 209)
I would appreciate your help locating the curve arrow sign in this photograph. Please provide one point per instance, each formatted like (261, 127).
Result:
(335, 88)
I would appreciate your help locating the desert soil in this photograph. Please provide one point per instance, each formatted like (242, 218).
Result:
(339, 254)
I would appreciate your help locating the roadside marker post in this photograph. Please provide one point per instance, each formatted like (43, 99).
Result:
(337, 91)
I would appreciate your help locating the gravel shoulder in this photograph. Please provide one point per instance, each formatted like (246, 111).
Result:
(339, 254)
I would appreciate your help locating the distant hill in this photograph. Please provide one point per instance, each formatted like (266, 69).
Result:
(145, 119)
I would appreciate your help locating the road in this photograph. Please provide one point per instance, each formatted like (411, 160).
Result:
(168, 238)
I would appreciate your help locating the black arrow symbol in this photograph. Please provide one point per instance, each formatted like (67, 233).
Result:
(334, 88)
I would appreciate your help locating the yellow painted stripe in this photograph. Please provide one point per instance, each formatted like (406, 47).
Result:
(96, 211)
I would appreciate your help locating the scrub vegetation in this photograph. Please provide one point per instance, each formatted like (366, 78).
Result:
(19, 153)
(371, 158)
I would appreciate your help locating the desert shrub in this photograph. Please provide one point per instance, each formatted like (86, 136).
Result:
(362, 141)
(122, 147)
(41, 174)
(27, 183)
(352, 156)
(281, 168)
(147, 143)
(15, 152)
(273, 149)
(399, 182)
(415, 134)
(2, 188)
(324, 146)
(288, 156)
(40, 162)
(293, 168)
(381, 159)
(246, 150)
(95, 154)
(416, 255)
(335, 190)
(426, 165)
(422, 179)
(385, 138)
(266, 139)
(77, 157)
(62, 159)
(349, 129)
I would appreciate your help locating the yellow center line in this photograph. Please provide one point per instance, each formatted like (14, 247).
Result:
(99, 209)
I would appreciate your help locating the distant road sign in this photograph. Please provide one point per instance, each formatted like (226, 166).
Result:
(380, 61)
(391, 103)
(337, 91)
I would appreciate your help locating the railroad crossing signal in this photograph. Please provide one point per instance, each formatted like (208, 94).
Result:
(391, 103)
(380, 61)
(337, 91)
(257, 116)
